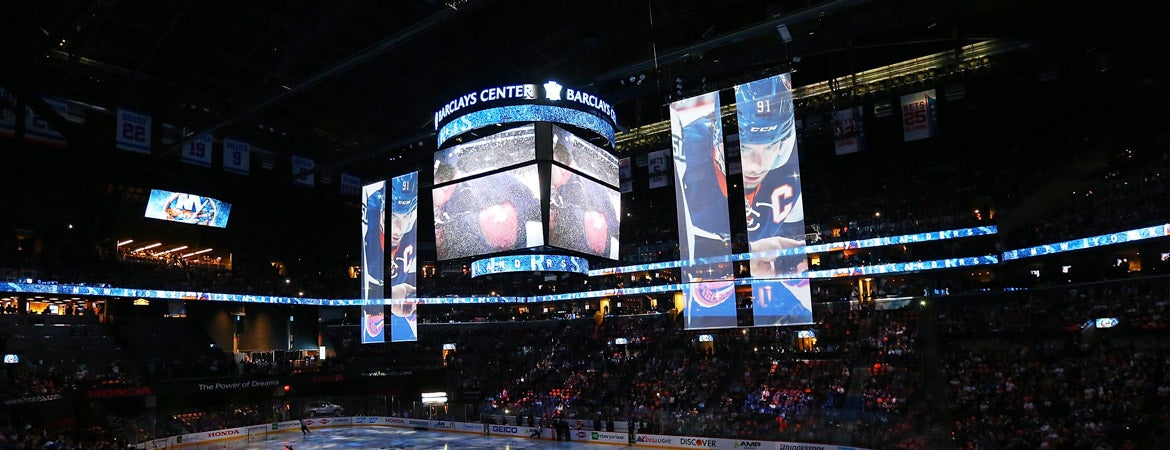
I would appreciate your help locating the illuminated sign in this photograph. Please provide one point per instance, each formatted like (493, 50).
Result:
(529, 263)
(552, 92)
(187, 208)
(497, 105)
(526, 113)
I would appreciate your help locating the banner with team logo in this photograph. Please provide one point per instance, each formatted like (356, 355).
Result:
(657, 168)
(403, 217)
(133, 133)
(350, 184)
(7, 113)
(197, 151)
(38, 130)
(848, 131)
(373, 245)
(237, 156)
(773, 202)
(704, 229)
(625, 175)
(919, 118)
(300, 165)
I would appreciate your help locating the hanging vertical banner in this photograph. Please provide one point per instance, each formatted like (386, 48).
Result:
(266, 158)
(350, 184)
(657, 168)
(403, 257)
(373, 245)
(773, 202)
(237, 156)
(133, 133)
(704, 229)
(38, 130)
(198, 151)
(625, 175)
(7, 113)
(848, 131)
(919, 119)
(301, 164)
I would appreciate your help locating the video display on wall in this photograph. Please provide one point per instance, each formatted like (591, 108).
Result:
(187, 208)
(584, 215)
(494, 213)
(578, 154)
(507, 148)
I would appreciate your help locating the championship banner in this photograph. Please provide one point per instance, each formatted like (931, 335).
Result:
(7, 113)
(657, 168)
(373, 245)
(198, 151)
(773, 202)
(403, 257)
(301, 164)
(704, 229)
(625, 175)
(38, 130)
(350, 184)
(919, 118)
(848, 131)
(133, 131)
(237, 156)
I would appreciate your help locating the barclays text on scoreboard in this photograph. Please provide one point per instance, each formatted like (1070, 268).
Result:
(550, 92)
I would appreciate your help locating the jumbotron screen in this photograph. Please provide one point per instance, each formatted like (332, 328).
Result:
(504, 149)
(580, 155)
(493, 213)
(584, 215)
(187, 208)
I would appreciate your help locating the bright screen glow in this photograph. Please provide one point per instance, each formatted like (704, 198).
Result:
(584, 215)
(498, 212)
(578, 154)
(187, 208)
(11, 358)
(485, 154)
(1107, 322)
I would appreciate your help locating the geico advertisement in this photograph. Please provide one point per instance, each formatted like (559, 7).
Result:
(512, 430)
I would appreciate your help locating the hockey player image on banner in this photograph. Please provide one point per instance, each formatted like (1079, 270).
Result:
(403, 256)
(373, 251)
(772, 200)
(703, 215)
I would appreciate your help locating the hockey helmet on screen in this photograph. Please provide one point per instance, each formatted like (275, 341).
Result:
(766, 119)
(404, 194)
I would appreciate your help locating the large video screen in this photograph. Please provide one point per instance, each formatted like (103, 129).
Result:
(503, 149)
(187, 208)
(584, 215)
(578, 154)
(498, 212)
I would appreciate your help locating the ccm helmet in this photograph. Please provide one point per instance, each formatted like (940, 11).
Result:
(404, 193)
(764, 110)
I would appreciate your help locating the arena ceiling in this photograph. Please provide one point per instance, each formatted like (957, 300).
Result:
(353, 84)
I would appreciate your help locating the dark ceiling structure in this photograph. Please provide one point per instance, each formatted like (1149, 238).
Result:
(353, 84)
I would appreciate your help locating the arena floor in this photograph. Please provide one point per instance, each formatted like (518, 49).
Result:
(396, 438)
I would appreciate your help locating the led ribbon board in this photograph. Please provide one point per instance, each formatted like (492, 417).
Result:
(529, 263)
(549, 102)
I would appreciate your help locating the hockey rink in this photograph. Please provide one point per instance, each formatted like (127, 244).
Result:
(394, 438)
